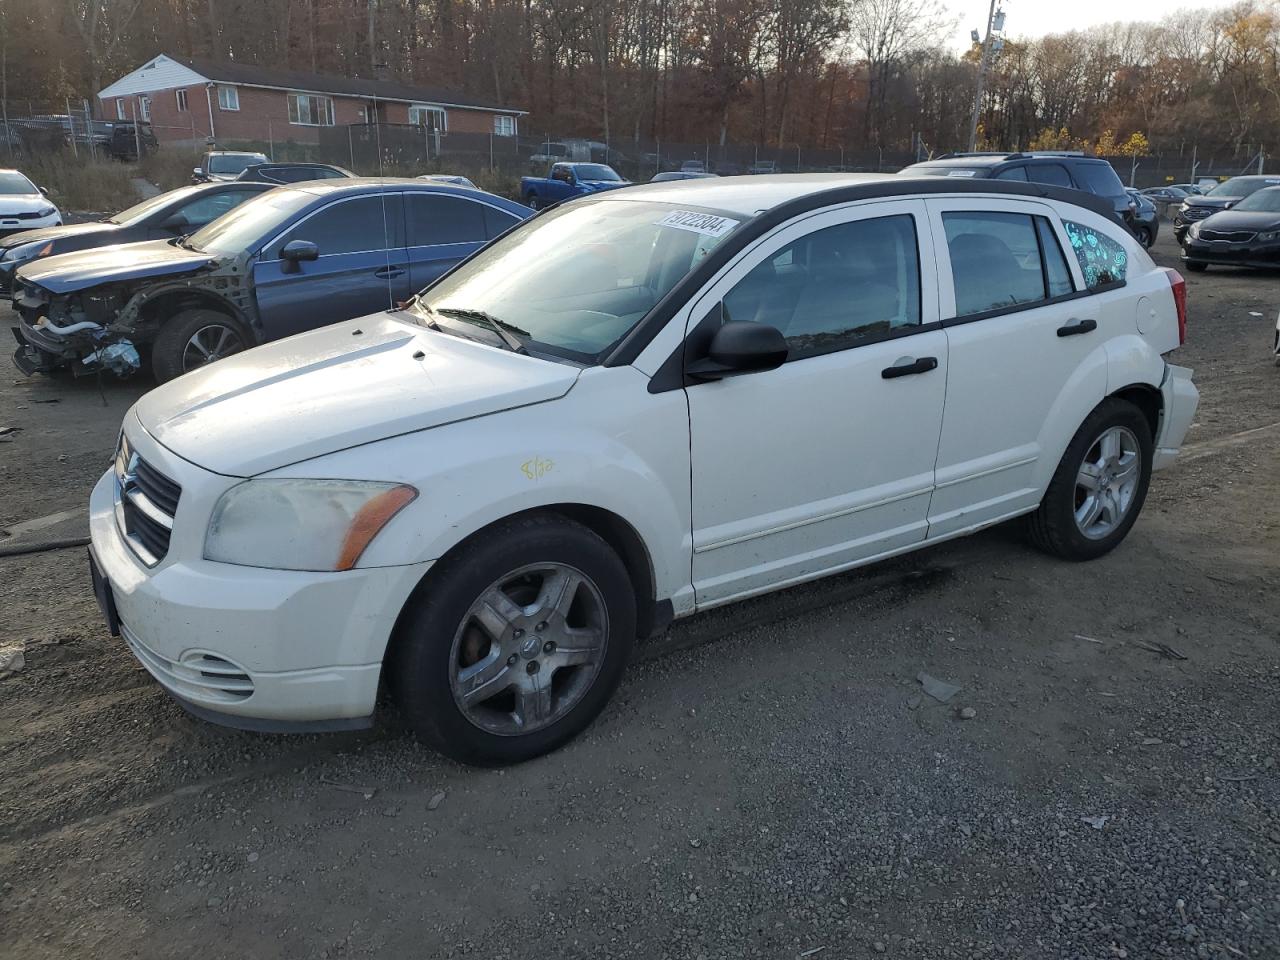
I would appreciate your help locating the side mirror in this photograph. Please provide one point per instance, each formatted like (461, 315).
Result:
(44, 190)
(198, 171)
(295, 252)
(739, 347)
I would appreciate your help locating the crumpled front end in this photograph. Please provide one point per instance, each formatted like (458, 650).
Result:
(71, 332)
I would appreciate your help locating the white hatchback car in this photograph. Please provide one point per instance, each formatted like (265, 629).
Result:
(625, 410)
(23, 205)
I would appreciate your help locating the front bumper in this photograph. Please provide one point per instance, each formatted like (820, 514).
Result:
(1261, 255)
(254, 648)
(1181, 398)
(10, 225)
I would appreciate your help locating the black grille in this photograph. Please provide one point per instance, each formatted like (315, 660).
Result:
(1198, 213)
(1236, 236)
(29, 216)
(157, 488)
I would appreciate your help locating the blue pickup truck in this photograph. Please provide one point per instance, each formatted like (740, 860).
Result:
(565, 180)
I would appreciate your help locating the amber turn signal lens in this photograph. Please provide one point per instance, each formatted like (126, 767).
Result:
(370, 519)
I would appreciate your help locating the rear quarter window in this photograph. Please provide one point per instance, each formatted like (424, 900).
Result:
(1103, 259)
(1099, 178)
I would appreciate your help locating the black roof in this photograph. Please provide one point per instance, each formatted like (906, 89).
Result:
(230, 71)
(991, 159)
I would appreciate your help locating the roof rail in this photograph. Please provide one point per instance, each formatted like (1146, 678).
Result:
(1054, 153)
(956, 154)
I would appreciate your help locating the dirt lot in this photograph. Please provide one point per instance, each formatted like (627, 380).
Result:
(768, 783)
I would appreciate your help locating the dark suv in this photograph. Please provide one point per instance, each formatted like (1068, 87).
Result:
(1055, 169)
(1222, 197)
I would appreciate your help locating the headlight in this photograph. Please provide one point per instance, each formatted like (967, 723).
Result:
(301, 524)
(46, 211)
(1271, 236)
(1194, 230)
(27, 251)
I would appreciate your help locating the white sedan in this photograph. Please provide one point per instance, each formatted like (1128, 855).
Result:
(23, 205)
(628, 409)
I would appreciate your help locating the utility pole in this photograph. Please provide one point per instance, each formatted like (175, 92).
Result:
(373, 43)
(982, 78)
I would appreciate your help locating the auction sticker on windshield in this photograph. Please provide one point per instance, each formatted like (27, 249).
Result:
(707, 224)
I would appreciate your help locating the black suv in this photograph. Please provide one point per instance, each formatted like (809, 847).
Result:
(1222, 197)
(1064, 169)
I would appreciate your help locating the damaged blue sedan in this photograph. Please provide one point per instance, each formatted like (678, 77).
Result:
(289, 260)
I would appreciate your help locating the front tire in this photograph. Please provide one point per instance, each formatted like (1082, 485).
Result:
(1101, 482)
(195, 338)
(534, 202)
(1145, 238)
(512, 647)
(1196, 266)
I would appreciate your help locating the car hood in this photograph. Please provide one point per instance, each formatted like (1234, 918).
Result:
(63, 232)
(337, 387)
(1214, 203)
(70, 272)
(23, 203)
(1241, 220)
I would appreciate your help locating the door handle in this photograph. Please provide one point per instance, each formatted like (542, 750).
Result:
(389, 273)
(908, 366)
(1077, 327)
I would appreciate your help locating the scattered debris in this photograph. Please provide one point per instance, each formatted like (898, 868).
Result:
(1163, 649)
(1254, 313)
(253, 857)
(811, 951)
(12, 659)
(968, 713)
(8, 434)
(1240, 778)
(695, 843)
(1151, 741)
(913, 702)
(938, 689)
(435, 801)
(1080, 636)
(1096, 822)
(46, 399)
(366, 792)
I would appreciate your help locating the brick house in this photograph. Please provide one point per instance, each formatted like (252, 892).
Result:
(201, 101)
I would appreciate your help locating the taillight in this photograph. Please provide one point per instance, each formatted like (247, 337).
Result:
(1179, 286)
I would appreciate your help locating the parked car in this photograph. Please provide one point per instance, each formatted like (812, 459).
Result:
(616, 415)
(1166, 195)
(278, 173)
(566, 180)
(763, 167)
(453, 178)
(694, 166)
(224, 165)
(1222, 197)
(1059, 169)
(1275, 346)
(1247, 235)
(1192, 188)
(23, 205)
(293, 258)
(167, 215)
(127, 139)
(1146, 218)
(679, 175)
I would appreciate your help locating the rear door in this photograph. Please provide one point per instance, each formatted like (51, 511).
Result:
(362, 266)
(441, 229)
(1026, 341)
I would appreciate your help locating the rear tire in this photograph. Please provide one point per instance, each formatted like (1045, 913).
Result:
(1101, 482)
(195, 338)
(534, 202)
(491, 664)
(1145, 238)
(1196, 266)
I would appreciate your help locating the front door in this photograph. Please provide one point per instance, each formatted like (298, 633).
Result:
(828, 460)
(1026, 333)
(362, 267)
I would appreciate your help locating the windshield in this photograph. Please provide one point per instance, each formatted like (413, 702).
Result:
(150, 206)
(1261, 201)
(233, 162)
(1241, 187)
(595, 171)
(13, 184)
(576, 280)
(250, 222)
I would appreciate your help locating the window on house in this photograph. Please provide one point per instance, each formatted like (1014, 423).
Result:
(504, 126)
(120, 114)
(433, 118)
(182, 100)
(310, 110)
(228, 98)
(144, 108)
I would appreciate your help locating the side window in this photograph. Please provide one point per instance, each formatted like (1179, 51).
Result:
(559, 172)
(434, 218)
(1099, 178)
(996, 261)
(197, 213)
(835, 287)
(1057, 276)
(1012, 173)
(496, 222)
(351, 226)
(1103, 259)
(1050, 173)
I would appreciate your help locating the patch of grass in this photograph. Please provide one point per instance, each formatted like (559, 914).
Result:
(170, 167)
(80, 184)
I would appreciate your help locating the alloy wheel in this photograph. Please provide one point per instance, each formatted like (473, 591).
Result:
(1107, 482)
(208, 344)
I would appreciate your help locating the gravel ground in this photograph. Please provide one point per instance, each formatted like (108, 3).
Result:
(770, 781)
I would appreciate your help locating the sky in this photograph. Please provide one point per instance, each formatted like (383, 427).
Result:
(1034, 18)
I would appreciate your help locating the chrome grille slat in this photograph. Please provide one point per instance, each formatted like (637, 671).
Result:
(1228, 236)
(146, 502)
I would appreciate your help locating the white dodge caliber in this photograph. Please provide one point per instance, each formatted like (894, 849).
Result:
(625, 410)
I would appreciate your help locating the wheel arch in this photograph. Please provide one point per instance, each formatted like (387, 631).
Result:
(1146, 398)
(165, 303)
(652, 615)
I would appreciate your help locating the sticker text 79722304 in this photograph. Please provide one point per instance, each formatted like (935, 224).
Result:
(707, 224)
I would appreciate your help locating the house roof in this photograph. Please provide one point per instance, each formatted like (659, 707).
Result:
(184, 71)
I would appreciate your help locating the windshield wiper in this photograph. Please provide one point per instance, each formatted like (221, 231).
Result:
(508, 333)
